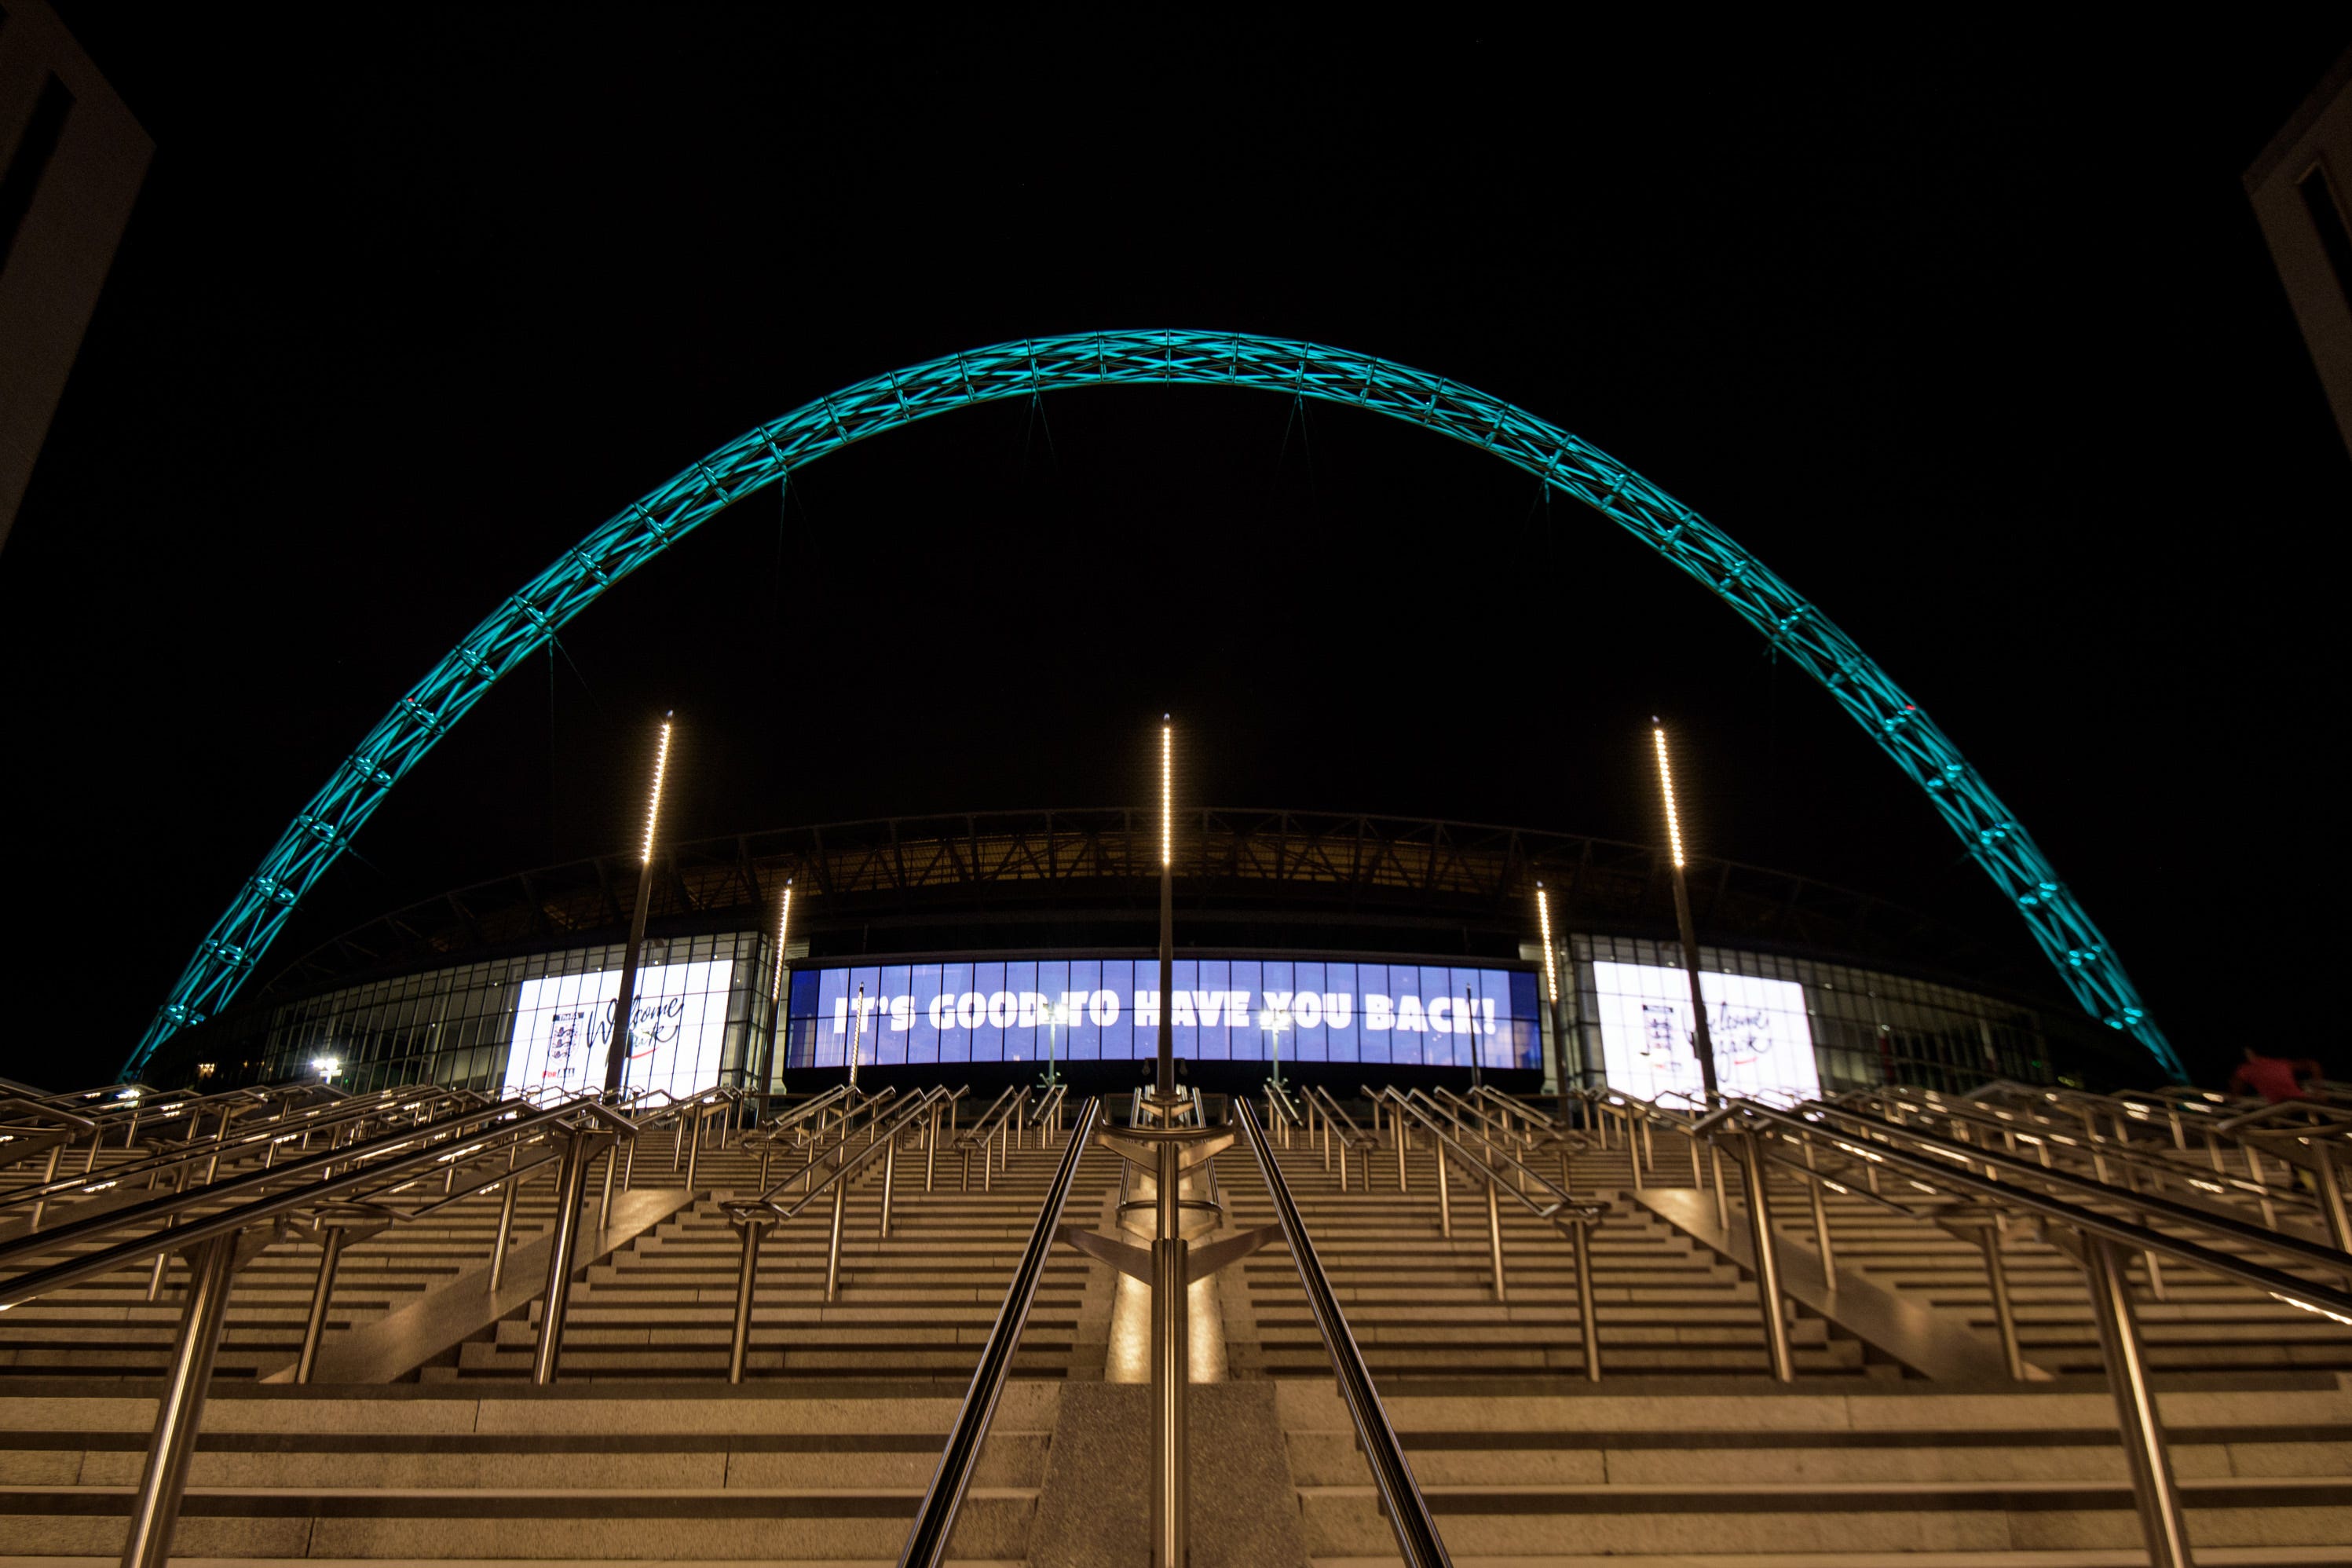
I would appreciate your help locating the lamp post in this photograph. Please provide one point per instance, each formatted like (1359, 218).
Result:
(617, 1055)
(776, 991)
(1702, 1042)
(1164, 1079)
(857, 1036)
(1551, 995)
(1053, 1035)
(1274, 1023)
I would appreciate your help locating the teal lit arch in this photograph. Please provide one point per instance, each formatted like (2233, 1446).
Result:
(526, 619)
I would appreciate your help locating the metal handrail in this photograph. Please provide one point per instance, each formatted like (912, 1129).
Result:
(1520, 1108)
(222, 1148)
(903, 1117)
(926, 1539)
(749, 1218)
(2008, 1190)
(1405, 1508)
(1326, 1110)
(2046, 1134)
(365, 1169)
(1283, 1103)
(1427, 1115)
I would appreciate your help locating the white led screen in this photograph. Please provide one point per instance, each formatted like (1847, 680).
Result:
(1762, 1040)
(563, 1025)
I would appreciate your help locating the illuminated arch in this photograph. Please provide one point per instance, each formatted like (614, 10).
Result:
(528, 619)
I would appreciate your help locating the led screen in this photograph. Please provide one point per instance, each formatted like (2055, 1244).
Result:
(563, 1026)
(1762, 1040)
(1224, 1009)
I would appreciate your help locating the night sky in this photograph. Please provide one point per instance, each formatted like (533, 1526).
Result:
(1968, 332)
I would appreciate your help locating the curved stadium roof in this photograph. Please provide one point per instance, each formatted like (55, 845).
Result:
(1011, 872)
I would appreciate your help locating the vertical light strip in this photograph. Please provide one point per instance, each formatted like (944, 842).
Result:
(783, 923)
(653, 807)
(1666, 786)
(1543, 914)
(1167, 792)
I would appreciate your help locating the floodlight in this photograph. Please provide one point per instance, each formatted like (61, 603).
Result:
(1543, 914)
(1666, 787)
(653, 807)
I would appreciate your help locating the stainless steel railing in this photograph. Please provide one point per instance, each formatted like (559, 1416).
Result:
(1401, 1502)
(926, 1540)
(1337, 1127)
(2099, 1241)
(1575, 1219)
(2317, 1139)
(754, 1217)
(227, 1145)
(990, 1136)
(222, 1242)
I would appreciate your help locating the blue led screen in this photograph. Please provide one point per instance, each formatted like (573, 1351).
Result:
(1225, 1009)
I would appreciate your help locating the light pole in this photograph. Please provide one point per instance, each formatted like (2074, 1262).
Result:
(1702, 1042)
(1052, 1033)
(776, 991)
(1551, 995)
(1273, 1023)
(616, 1054)
(857, 1036)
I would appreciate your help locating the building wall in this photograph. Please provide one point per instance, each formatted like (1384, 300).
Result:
(71, 161)
(458, 1024)
(2301, 188)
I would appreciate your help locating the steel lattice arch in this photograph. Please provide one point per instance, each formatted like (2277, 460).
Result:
(526, 619)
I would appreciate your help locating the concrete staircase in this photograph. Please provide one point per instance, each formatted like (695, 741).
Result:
(1682, 1473)
(919, 1304)
(1686, 1454)
(1421, 1304)
(2194, 1322)
(805, 1472)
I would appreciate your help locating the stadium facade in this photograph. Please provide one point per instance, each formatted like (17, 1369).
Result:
(988, 944)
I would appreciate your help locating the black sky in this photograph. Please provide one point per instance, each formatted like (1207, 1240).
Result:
(1969, 333)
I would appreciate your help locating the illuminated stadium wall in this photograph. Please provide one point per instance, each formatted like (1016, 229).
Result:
(1782, 1024)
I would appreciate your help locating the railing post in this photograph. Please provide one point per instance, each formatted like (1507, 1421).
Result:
(155, 1506)
(1494, 1237)
(1768, 1260)
(693, 1154)
(1722, 1197)
(931, 1147)
(612, 1164)
(2331, 1196)
(1403, 1182)
(2004, 1315)
(890, 1178)
(744, 1284)
(314, 1327)
(571, 1177)
(506, 1230)
(833, 1247)
(1171, 1368)
(1820, 1222)
(1444, 1195)
(2153, 1488)
(1579, 1240)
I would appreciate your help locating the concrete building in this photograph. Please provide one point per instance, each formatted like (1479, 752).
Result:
(2301, 191)
(71, 159)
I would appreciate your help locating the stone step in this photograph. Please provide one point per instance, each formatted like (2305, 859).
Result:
(1890, 1516)
(733, 1524)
